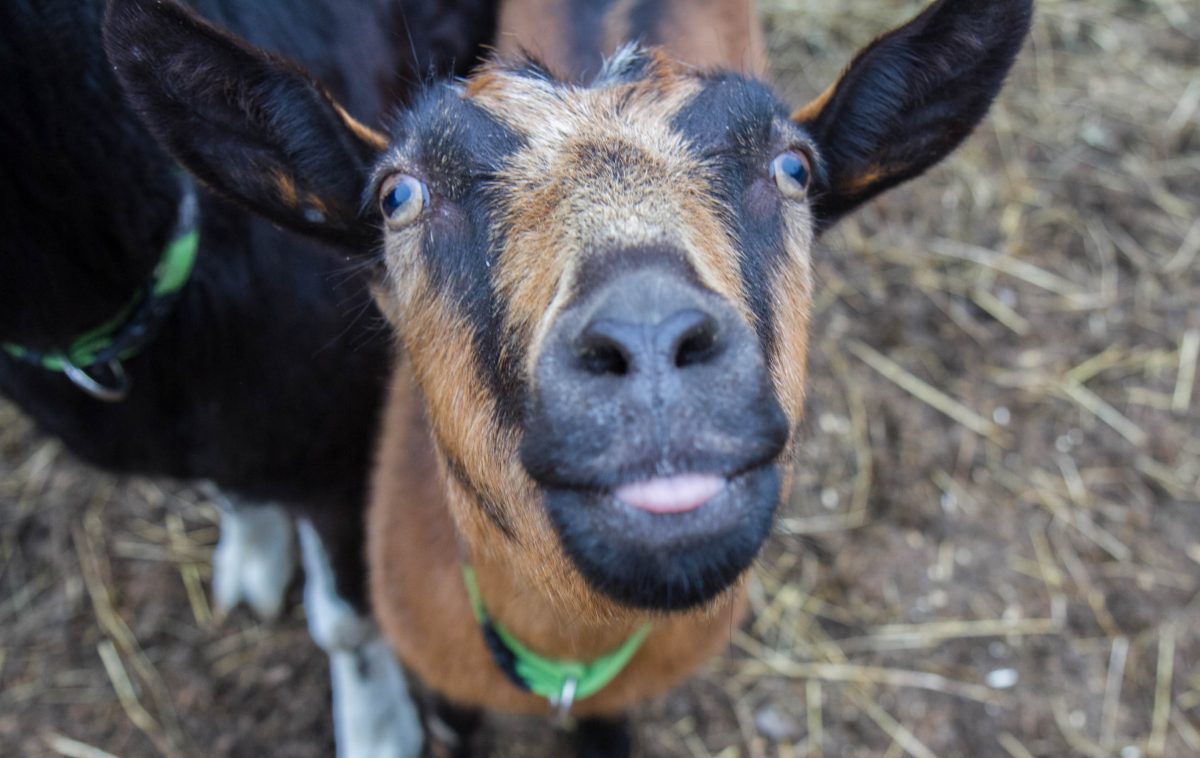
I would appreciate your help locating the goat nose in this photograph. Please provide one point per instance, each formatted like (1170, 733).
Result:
(616, 347)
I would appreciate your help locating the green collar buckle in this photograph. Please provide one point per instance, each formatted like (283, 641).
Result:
(127, 333)
(562, 682)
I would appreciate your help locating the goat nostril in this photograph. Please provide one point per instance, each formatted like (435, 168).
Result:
(600, 353)
(604, 359)
(697, 341)
(614, 347)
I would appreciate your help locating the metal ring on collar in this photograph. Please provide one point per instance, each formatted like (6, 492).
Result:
(84, 381)
(562, 704)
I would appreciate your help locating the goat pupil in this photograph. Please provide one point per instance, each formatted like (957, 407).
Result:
(397, 198)
(793, 166)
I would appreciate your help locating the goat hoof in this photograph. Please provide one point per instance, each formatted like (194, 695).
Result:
(254, 560)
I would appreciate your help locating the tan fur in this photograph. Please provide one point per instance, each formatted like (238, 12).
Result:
(286, 188)
(871, 176)
(567, 209)
(362, 131)
(289, 195)
(809, 111)
(429, 509)
(792, 296)
(317, 203)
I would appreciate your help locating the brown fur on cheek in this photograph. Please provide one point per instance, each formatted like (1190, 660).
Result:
(533, 270)
(440, 354)
(791, 295)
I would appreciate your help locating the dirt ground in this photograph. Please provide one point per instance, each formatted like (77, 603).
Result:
(993, 548)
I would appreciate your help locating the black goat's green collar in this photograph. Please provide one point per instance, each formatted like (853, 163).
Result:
(562, 682)
(125, 334)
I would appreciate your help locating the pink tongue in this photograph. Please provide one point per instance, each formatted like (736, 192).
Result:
(672, 494)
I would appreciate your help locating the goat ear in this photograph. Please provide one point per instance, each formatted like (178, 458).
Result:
(251, 126)
(908, 99)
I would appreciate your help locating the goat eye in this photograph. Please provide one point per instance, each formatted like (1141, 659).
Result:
(792, 173)
(402, 198)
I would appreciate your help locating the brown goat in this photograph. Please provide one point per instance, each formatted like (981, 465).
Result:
(599, 276)
(568, 40)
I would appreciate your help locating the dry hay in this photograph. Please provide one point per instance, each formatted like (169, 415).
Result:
(994, 548)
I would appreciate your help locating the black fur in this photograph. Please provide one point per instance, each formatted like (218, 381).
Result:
(168, 81)
(77, 245)
(291, 129)
(268, 374)
(453, 731)
(737, 127)
(459, 148)
(666, 563)
(911, 97)
(603, 738)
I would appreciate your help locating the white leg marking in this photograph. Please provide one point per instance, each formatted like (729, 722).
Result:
(254, 559)
(373, 714)
(332, 622)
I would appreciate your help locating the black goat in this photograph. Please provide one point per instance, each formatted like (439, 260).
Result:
(264, 371)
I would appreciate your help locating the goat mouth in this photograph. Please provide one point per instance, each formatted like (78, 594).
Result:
(667, 543)
(671, 494)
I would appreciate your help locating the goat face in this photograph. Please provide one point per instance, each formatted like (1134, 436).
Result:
(602, 290)
(625, 286)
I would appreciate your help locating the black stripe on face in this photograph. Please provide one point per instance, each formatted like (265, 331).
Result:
(494, 512)
(459, 148)
(730, 127)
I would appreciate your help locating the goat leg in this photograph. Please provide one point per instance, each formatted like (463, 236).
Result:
(603, 738)
(255, 558)
(373, 713)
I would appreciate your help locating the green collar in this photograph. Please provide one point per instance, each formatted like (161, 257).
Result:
(562, 682)
(125, 334)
